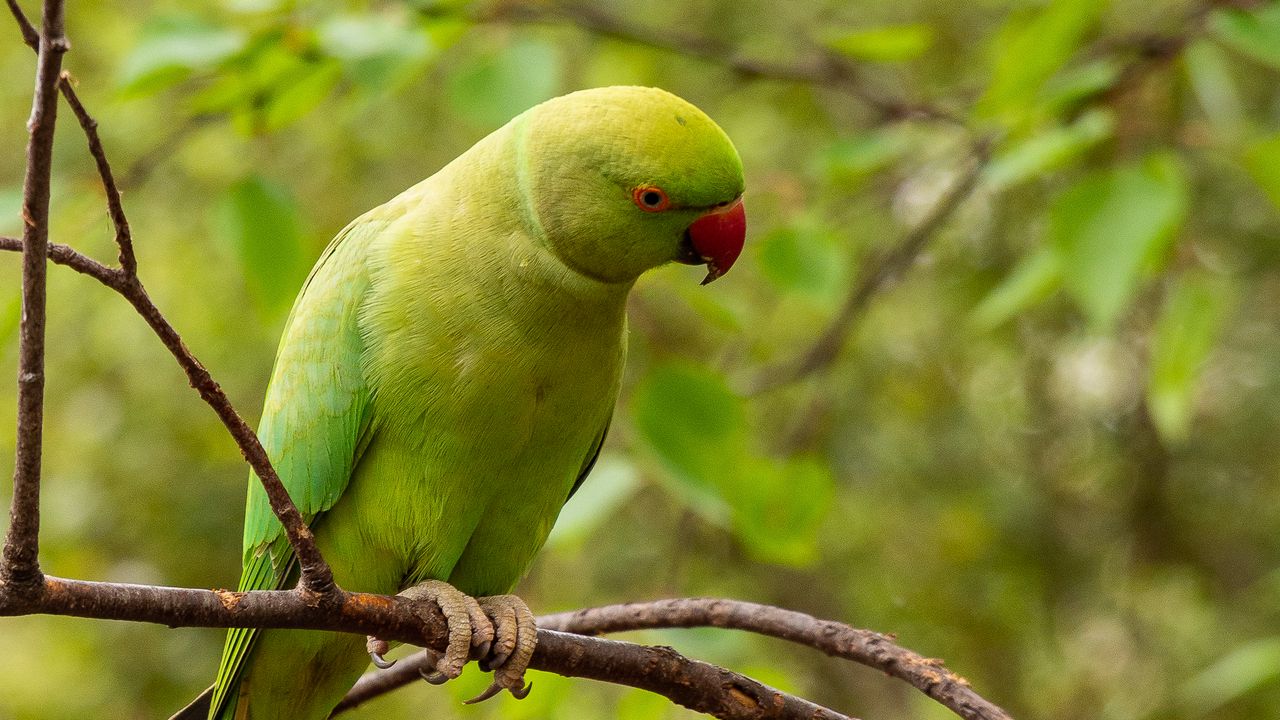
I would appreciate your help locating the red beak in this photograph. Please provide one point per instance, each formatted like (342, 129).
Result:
(718, 237)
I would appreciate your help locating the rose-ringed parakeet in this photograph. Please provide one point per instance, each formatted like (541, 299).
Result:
(446, 377)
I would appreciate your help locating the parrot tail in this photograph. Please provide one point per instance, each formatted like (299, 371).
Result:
(198, 709)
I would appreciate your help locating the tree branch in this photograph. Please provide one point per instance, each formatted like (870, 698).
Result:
(693, 684)
(823, 70)
(833, 638)
(315, 574)
(878, 274)
(20, 566)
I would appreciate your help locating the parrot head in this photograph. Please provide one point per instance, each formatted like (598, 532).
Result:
(623, 179)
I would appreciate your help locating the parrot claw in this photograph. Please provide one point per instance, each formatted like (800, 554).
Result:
(435, 677)
(514, 639)
(494, 688)
(377, 648)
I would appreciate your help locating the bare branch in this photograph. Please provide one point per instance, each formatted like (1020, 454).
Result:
(694, 684)
(823, 70)
(20, 566)
(124, 236)
(315, 574)
(30, 35)
(878, 274)
(697, 685)
(833, 638)
(65, 255)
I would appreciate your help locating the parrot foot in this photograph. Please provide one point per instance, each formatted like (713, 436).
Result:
(515, 637)
(470, 631)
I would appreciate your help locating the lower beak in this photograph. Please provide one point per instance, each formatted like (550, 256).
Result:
(716, 239)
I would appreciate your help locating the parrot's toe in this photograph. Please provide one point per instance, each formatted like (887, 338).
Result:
(470, 630)
(377, 648)
(514, 638)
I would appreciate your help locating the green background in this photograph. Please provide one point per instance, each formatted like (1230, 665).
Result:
(1046, 455)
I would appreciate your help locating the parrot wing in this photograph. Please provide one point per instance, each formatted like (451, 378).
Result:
(592, 457)
(314, 423)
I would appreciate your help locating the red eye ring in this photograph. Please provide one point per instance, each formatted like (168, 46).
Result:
(650, 198)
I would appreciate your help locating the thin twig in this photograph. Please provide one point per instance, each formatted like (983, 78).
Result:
(823, 70)
(20, 566)
(877, 275)
(315, 575)
(833, 638)
(694, 684)
(124, 236)
(66, 255)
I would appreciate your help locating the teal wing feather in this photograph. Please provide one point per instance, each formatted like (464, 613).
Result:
(313, 424)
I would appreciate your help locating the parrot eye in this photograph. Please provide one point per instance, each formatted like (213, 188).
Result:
(650, 198)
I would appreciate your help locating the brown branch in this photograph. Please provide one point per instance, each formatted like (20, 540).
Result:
(833, 638)
(20, 566)
(65, 255)
(823, 70)
(315, 574)
(878, 274)
(693, 684)
(115, 209)
(696, 685)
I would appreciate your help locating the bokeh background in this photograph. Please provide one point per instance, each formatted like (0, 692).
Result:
(1047, 452)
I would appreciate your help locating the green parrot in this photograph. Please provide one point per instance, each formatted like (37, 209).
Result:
(447, 375)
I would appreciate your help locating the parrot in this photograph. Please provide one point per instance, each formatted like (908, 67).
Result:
(447, 375)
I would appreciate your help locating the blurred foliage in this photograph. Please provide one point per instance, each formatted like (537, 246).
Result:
(1047, 455)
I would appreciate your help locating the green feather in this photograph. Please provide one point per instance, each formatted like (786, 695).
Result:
(446, 377)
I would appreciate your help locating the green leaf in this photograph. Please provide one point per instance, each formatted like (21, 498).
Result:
(1034, 279)
(1183, 338)
(1030, 48)
(260, 220)
(379, 50)
(489, 89)
(612, 483)
(1114, 226)
(696, 425)
(777, 508)
(1063, 92)
(1214, 85)
(1246, 669)
(698, 428)
(890, 43)
(802, 259)
(1262, 160)
(1048, 150)
(852, 159)
(302, 94)
(171, 49)
(1255, 34)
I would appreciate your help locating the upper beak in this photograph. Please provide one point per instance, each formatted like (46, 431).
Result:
(716, 239)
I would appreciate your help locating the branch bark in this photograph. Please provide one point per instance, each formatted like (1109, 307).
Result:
(19, 566)
(823, 69)
(315, 574)
(693, 684)
(866, 647)
(878, 274)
